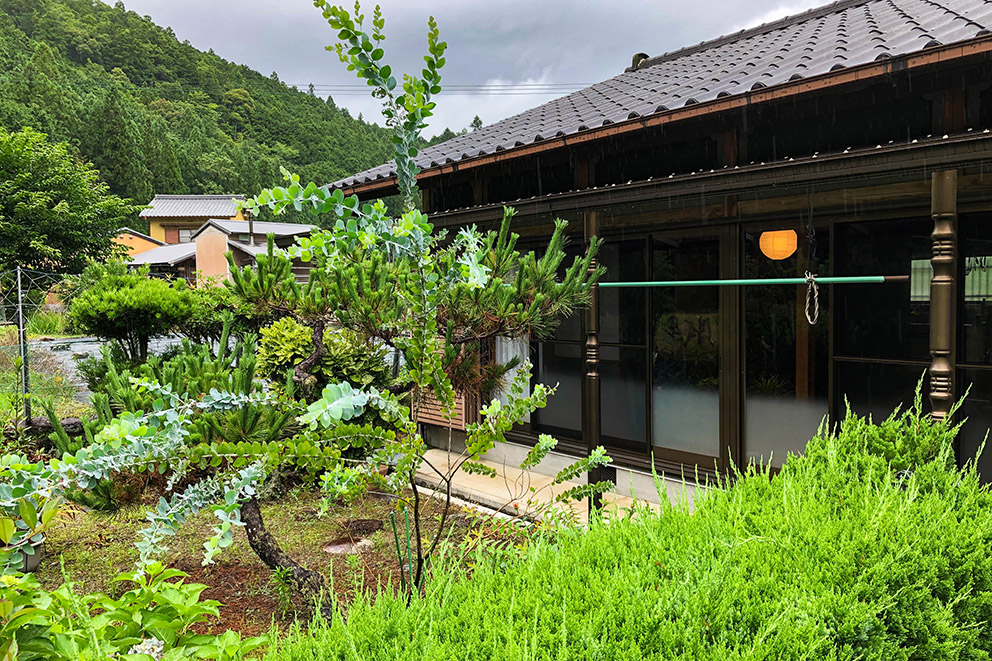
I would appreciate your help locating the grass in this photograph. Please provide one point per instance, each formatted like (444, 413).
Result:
(48, 323)
(47, 380)
(96, 547)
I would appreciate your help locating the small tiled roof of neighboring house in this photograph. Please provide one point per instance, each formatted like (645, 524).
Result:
(170, 253)
(247, 248)
(128, 230)
(260, 228)
(192, 206)
(841, 35)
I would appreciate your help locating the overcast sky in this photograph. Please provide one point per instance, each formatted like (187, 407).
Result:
(496, 43)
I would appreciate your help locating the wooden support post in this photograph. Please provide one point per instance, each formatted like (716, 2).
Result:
(425, 201)
(591, 423)
(943, 291)
(478, 196)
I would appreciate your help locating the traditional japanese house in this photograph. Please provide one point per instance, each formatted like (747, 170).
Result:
(852, 140)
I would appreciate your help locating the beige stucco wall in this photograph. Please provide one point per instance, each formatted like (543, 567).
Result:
(211, 244)
(134, 243)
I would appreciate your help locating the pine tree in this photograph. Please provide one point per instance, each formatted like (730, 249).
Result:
(121, 158)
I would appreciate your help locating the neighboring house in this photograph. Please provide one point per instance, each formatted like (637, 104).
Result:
(174, 218)
(850, 140)
(204, 255)
(172, 259)
(135, 241)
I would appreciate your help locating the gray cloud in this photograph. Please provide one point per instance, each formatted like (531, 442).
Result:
(494, 41)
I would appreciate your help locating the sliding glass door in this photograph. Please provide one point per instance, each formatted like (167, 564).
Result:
(786, 357)
(685, 354)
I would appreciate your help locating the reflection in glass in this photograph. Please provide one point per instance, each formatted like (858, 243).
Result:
(623, 378)
(976, 311)
(786, 360)
(876, 389)
(621, 310)
(977, 408)
(560, 363)
(685, 397)
(889, 320)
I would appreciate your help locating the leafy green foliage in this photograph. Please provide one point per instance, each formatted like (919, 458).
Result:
(55, 213)
(63, 625)
(407, 111)
(211, 319)
(838, 556)
(286, 343)
(131, 308)
(897, 440)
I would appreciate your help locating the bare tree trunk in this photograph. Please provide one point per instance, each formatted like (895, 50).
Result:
(303, 372)
(308, 582)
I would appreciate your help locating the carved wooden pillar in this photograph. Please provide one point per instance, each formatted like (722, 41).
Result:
(943, 291)
(591, 423)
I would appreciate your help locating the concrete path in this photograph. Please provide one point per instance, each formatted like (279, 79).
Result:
(515, 491)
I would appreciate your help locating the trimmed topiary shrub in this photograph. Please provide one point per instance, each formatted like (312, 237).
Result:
(841, 555)
(129, 307)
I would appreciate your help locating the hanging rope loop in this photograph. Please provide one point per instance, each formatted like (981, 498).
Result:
(812, 299)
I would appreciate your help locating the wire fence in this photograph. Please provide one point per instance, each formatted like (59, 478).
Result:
(30, 313)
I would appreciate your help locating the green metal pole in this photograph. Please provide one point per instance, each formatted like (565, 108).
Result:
(826, 280)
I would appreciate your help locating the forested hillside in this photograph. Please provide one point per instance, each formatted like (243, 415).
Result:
(156, 115)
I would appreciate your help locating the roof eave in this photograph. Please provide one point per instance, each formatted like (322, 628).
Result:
(927, 57)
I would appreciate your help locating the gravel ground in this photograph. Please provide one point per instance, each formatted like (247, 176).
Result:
(69, 350)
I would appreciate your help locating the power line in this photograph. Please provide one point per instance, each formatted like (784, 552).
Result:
(342, 89)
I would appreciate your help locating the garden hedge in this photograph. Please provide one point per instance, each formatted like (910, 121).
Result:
(847, 553)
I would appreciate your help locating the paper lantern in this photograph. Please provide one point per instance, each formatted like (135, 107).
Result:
(779, 244)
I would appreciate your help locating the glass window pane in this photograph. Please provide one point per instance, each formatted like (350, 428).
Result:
(560, 363)
(623, 389)
(685, 397)
(569, 328)
(786, 359)
(876, 390)
(976, 311)
(889, 320)
(621, 311)
(977, 408)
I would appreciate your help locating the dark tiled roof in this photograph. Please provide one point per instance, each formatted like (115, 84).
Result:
(840, 35)
(192, 206)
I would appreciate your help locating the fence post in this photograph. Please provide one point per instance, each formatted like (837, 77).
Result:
(22, 333)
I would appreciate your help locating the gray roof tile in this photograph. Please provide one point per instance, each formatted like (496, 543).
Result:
(171, 254)
(192, 206)
(844, 34)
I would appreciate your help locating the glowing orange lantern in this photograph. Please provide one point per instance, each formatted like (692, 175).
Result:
(779, 244)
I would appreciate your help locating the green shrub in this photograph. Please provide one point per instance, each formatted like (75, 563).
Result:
(158, 615)
(360, 362)
(838, 556)
(210, 314)
(130, 308)
(94, 369)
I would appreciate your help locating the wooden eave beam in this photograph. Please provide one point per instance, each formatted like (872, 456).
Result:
(940, 154)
